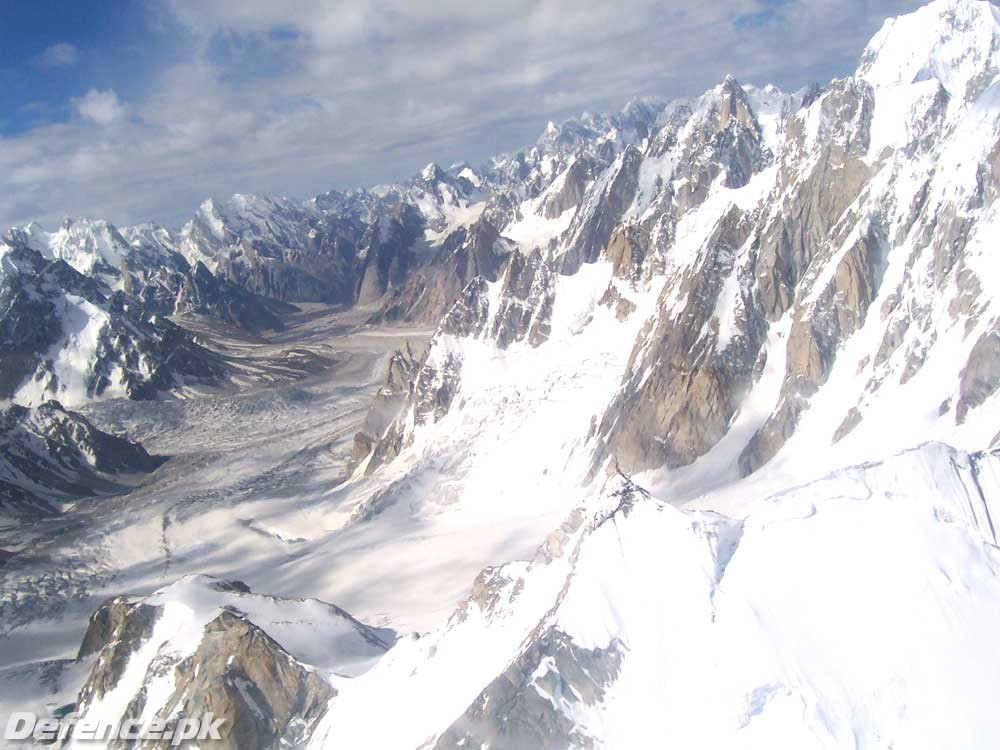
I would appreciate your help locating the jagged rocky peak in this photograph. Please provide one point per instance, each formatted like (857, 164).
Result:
(263, 665)
(50, 456)
(468, 252)
(735, 109)
(568, 190)
(608, 133)
(388, 253)
(202, 292)
(516, 308)
(258, 221)
(278, 249)
(92, 247)
(432, 174)
(379, 434)
(724, 131)
(149, 237)
(686, 377)
(144, 262)
(778, 228)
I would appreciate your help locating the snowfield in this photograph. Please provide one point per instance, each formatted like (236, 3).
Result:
(807, 622)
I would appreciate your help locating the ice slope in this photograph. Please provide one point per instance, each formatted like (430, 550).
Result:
(912, 48)
(857, 611)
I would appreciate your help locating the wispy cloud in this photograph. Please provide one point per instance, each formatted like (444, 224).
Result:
(339, 94)
(58, 56)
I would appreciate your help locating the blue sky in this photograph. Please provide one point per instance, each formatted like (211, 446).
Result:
(137, 110)
(53, 51)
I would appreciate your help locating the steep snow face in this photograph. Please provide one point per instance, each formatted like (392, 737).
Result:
(954, 42)
(929, 65)
(69, 376)
(772, 108)
(490, 452)
(853, 611)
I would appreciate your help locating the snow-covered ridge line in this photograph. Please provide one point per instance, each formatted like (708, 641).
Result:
(626, 612)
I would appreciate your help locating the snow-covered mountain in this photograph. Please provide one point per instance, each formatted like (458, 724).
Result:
(817, 271)
(66, 336)
(50, 457)
(857, 609)
(768, 284)
(262, 664)
(143, 262)
(730, 365)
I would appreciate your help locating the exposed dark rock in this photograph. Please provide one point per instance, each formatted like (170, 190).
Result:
(389, 402)
(591, 229)
(49, 455)
(164, 282)
(814, 340)
(569, 192)
(522, 707)
(239, 674)
(851, 420)
(231, 668)
(613, 299)
(203, 293)
(470, 313)
(817, 202)
(117, 630)
(387, 254)
(467, 253)
(524, 311)
(980, 378)
(119, 618)
(144, 353)
(680, 392)
(625, 251)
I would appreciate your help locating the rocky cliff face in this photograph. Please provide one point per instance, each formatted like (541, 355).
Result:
(205, 645)
(814, 257)
(468, 253)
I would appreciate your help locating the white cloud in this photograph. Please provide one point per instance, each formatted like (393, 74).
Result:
(101, 107)
(58, 56)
